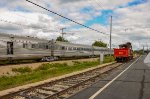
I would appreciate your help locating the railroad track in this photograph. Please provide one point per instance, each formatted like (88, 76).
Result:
(33, 61)
(64, 87)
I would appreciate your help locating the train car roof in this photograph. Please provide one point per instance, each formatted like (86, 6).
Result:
(96, 47)
(26, 38)
(72, 44)
(78, 45)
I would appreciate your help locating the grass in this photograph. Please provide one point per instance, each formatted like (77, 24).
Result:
(22, 70)
(109, 59)
(45, 71)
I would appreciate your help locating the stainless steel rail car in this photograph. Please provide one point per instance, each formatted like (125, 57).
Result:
(18, 47)
(69, 49)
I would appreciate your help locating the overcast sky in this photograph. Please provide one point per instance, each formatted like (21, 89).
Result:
(131, 20)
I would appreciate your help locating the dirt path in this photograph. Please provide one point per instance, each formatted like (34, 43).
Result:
(7, 70)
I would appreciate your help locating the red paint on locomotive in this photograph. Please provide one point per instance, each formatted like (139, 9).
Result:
(123, 53)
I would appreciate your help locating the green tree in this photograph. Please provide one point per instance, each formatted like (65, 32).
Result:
(61, 39)
(140, 52)
(99, 44)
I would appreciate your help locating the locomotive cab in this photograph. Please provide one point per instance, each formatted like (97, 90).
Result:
(123, 53)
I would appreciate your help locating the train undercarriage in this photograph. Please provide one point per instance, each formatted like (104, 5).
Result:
(123, 59)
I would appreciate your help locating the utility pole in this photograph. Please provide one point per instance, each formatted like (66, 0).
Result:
(147, 47)
(139, 45)
(143, 49)
(110, 30)
(62, 33)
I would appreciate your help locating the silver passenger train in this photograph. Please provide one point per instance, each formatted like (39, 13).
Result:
(15, 47)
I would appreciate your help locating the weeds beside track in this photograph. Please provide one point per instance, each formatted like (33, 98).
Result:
(64, 87)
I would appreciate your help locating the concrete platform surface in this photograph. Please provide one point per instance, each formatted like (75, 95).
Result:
(134, 83)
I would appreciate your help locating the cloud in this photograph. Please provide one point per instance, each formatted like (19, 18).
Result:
(136, 20)
(130, 23)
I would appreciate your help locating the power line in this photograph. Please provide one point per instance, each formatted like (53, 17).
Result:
(64, 17)
(110, 39)
(44, 29)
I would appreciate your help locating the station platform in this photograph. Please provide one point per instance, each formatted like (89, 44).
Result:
(130, 81)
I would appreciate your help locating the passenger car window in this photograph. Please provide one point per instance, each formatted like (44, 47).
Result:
(24, 45)
(63, 47)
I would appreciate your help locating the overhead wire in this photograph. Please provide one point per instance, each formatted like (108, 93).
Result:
(101, 6)
(64, 17)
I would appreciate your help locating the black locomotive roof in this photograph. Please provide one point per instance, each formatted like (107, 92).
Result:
(126, 45)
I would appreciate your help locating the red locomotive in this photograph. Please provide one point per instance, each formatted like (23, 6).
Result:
(124, 52)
